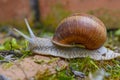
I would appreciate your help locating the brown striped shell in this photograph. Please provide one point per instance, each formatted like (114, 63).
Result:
(80, 30)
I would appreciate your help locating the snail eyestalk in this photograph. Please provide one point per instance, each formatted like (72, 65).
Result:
(26, 37)
(32, 36)
(29, 29)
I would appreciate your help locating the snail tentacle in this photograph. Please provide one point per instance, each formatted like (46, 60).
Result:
(19, 32)
(29, 29)
(32, 36)
(31, 40)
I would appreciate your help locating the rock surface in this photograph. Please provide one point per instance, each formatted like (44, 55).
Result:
(28, 67)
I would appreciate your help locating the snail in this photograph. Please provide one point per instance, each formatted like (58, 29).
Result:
(76, 36)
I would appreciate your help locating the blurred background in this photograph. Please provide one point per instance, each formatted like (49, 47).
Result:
(46, 14)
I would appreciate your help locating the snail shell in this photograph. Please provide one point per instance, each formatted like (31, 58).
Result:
(82, 29)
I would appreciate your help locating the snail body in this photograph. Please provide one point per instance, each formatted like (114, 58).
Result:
(62, 49)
